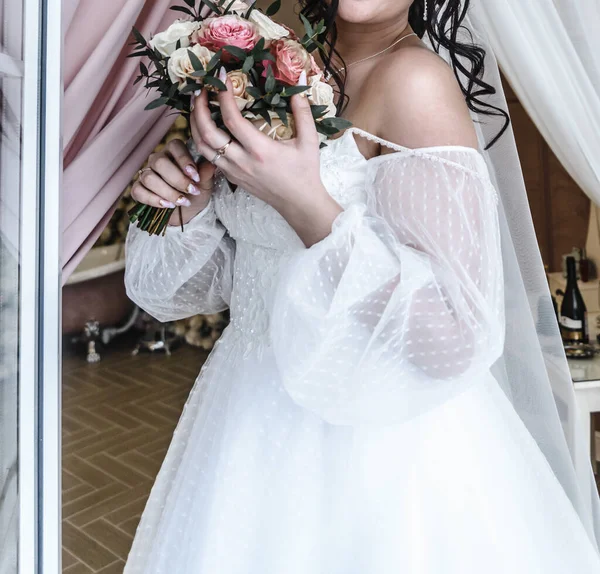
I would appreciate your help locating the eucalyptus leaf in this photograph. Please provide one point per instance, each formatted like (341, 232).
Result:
(214, 60)
(196, 63)
(138, 36)
(190, 3)
(248, 63)
(211, 5)
(156, 103)
(265, 115)
(254, 92)
(211, 80)
(182, 9)
(337, 123)
(292, 90)
(259, 47)
(282, 116)
(235, 51)
(318, 111)
(270, 83)
(275, 99)
(273, 8)
(307, 25)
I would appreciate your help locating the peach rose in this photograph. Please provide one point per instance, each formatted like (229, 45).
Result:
(229, 30)
(180, 67)
(291, 60)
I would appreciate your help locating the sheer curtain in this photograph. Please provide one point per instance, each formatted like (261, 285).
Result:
(107, 133)
(549, 50)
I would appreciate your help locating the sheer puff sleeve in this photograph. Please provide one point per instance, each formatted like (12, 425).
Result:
(181, 273)
(401, 305)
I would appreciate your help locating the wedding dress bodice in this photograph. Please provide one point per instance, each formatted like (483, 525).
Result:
(406, 288)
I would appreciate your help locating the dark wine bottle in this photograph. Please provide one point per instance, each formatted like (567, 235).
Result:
(573, 314)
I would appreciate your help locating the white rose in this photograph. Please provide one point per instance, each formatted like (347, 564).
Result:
(268, 29)
(180, 67)
(181, 30)
(238, 7)
(321, 94)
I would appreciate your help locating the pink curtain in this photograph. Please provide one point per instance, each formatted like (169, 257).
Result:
(107, 134)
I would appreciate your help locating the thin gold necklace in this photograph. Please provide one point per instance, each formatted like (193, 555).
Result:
(328, 74)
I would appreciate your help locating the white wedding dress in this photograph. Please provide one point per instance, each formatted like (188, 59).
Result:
(346, 421)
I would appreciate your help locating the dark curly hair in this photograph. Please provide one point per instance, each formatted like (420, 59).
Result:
(442, 27)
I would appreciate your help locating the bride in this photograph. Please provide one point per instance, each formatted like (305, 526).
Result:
(381, 401)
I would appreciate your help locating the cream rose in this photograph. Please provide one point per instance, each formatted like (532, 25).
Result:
(277, 130)
(166, 42)
(321, 94)
(268, 29)
(239, 81)
(180, 67)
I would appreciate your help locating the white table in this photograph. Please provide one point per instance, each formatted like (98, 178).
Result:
(586, 382)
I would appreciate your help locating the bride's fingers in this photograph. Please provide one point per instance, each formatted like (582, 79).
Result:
(205, 125)
(167, 195)
(172, 173)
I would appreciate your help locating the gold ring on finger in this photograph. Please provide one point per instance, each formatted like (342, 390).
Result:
(223, 149)
(214, 159)
(141, 171)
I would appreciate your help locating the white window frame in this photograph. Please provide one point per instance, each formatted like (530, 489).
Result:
(40, 290)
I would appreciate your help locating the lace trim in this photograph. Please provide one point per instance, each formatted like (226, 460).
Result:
(400, 148)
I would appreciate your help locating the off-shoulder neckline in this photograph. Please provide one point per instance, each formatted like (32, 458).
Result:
(402, 149)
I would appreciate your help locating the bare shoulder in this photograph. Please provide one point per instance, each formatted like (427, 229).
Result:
(418, 101)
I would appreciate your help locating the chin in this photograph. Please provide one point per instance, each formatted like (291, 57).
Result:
(371, 11)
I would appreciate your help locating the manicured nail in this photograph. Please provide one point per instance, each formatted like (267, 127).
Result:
(197, 93)
(182, 200)
(165, 203)
(192, 173)
(193, 190)
(222, 74)
(302, 79)
(192, 106)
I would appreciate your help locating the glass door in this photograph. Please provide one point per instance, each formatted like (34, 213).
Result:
(30, 167)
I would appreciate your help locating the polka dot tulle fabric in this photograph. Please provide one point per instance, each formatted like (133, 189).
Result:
(346, 421)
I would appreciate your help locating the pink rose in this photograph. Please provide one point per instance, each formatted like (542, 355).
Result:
(229, 30)
(291, 60)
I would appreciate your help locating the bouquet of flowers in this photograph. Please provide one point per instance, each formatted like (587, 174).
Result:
(264, 61)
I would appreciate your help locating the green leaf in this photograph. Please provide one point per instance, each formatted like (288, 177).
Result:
(254, 92)
(275, 99)
(270, 83)
(226, 11)
(248, 63)
(182, 9)
(318, 111)
(138, 36)
(198, 74)
(214, 60)
(326, 130)
(247, 14)
(211, 80)
(156, 103)
(196, 63)
(173, 90)
(143, 69)
(307, 26)
(292, 90)
(265, 115)
(140, 53)
(258, 104)
(273, 8)
(190, 87)
(235, 51)
(211, 5)
(138, 80)
(260, 46)
(190, 3)
(282, 116)
(337, 123)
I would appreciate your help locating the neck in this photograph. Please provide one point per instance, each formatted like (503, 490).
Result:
(356, 41)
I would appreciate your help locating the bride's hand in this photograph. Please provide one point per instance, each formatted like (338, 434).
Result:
(173, 179)
(282, 173)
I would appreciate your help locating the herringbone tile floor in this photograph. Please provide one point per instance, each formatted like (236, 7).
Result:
(118, 419)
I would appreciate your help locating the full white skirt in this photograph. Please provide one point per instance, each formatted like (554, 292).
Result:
(254, 484)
